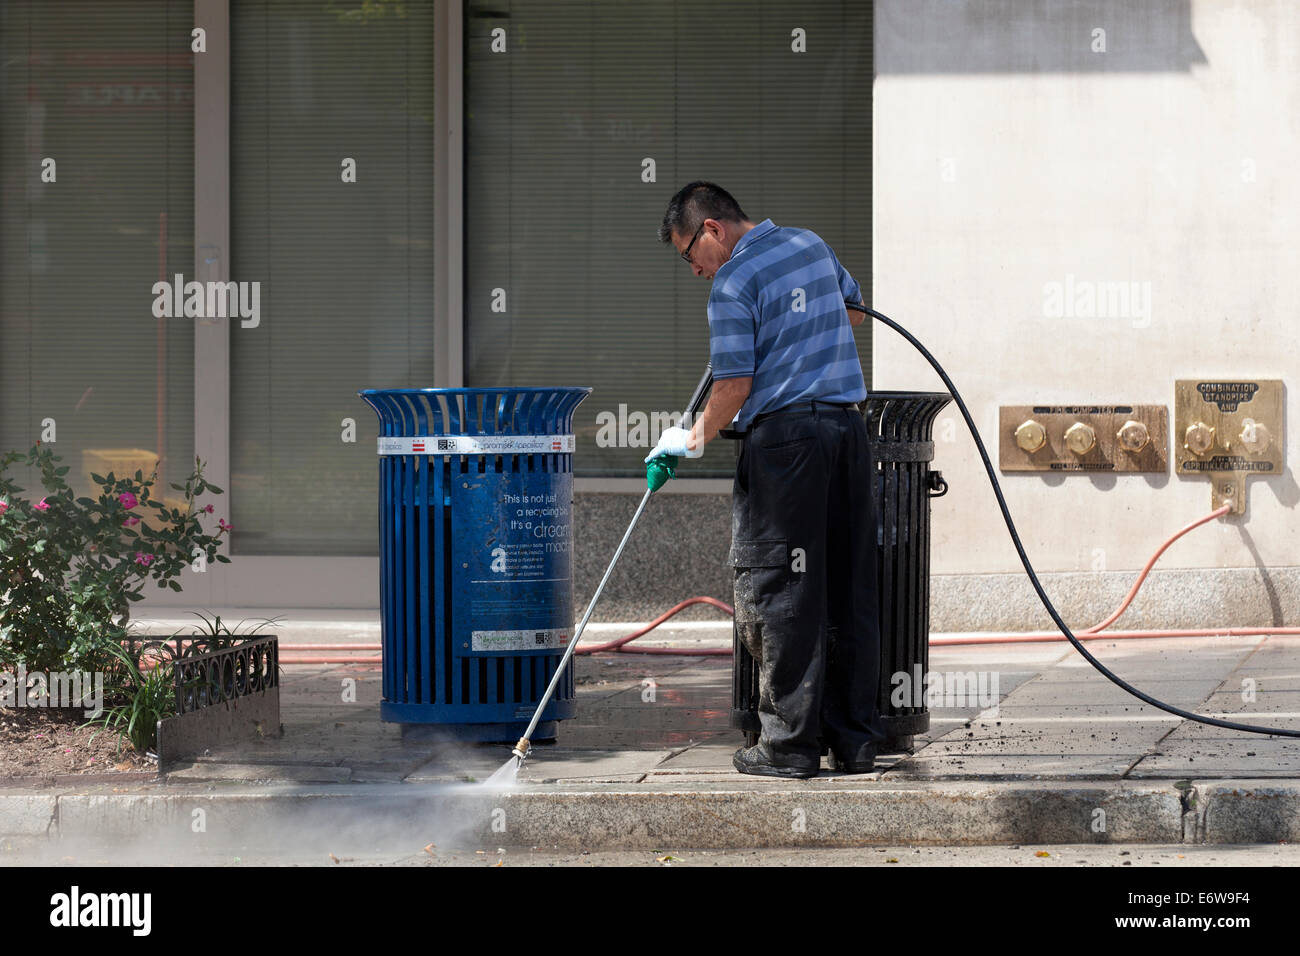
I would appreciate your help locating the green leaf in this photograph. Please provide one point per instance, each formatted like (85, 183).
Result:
(63, 471)
(39, 546)
(215, 490)
(174, 585)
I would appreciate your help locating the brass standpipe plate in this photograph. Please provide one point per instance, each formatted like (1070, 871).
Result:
(1106, 438)
(1226, 429)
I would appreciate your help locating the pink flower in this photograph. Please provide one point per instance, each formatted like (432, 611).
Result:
(128, 500)
(207, 508)
(131, 520)
(224, 526)
(41, 505)
(4, 506)
(142, 558)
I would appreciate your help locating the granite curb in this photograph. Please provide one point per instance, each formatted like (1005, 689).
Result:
(702, 816)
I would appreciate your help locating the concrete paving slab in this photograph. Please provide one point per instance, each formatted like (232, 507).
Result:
(1046, 767)
(1033, 657)
(1026, 737)
(712, 754)
(1208, 752)
(1135, 670)
(1185, 693)
(302, 773)
(1190, 730)
(595, 766)
(1191, 766)
(1133, 711)
(1263, 701)
(630, 738)
(706, 696)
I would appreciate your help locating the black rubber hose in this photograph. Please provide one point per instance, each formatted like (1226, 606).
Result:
(1024, 558)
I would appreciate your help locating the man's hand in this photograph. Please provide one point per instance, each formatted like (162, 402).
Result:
(674, 441)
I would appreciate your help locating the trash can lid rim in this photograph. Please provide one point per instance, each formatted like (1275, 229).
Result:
(504, 390)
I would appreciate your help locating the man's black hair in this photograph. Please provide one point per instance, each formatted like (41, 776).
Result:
(696, 202)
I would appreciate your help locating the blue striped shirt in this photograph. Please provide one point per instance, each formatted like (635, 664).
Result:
(776, 313)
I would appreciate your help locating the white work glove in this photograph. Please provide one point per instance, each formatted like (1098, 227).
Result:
(672, 441)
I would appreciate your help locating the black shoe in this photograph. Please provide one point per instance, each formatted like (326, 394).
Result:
(863, 761)
(759, 760)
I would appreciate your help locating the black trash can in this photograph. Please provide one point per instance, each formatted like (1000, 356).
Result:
(900, 425)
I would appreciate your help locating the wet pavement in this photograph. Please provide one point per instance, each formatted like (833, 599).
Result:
(1012, 712)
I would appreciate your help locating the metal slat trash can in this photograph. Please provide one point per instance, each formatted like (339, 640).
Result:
(475, 556)
(900, 426)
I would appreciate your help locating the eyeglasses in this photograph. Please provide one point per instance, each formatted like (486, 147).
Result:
(687, 254)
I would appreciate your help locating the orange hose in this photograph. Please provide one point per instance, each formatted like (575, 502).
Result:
(616, 645)
(1047, 637)
(1147, 570)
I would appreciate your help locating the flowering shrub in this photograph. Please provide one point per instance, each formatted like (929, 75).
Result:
(70, 567)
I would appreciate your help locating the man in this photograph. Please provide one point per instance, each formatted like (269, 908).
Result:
(803, 532)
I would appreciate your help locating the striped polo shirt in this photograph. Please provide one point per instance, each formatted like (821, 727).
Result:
(776, 313)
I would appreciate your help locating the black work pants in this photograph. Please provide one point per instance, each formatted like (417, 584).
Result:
(804, 552)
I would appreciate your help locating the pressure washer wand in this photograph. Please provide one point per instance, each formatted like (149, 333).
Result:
(657, 473)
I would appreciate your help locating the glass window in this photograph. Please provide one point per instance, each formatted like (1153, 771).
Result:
(96, 206)
(345, 269)
(566, 282)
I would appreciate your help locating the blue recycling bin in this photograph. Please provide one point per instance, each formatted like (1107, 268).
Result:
(475, 556)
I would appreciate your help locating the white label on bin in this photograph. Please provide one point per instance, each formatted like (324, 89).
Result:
(477, 445)
(536, 640)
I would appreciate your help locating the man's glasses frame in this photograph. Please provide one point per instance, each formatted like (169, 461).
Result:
(686, 255)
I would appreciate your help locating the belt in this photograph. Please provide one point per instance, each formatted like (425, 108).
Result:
(796, 407)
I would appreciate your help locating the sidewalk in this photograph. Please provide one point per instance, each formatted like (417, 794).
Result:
(1063, 756)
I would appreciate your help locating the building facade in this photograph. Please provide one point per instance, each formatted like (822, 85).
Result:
(373, 193)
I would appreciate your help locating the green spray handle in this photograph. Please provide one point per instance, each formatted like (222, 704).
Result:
(659, 470)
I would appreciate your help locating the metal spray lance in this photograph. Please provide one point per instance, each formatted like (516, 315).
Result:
(657, 473)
